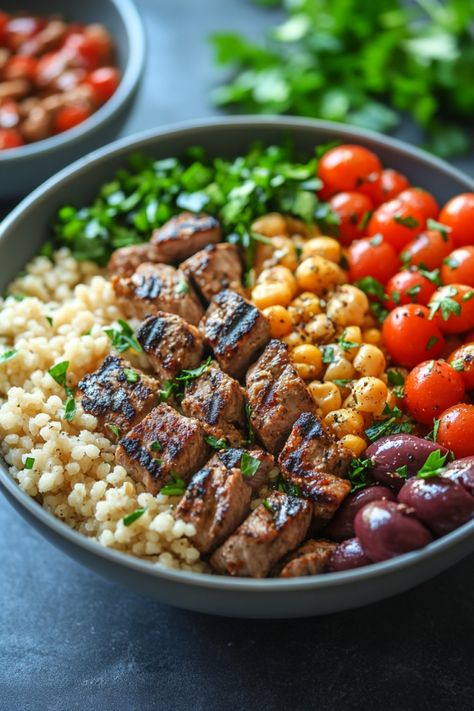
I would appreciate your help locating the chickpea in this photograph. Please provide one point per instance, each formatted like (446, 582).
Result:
(320, 329)
(339, 369)
(326, 396)
(306, 371)
(354, 444)
(344, 421)
(369, 360)
(370, 395)
(279, 275)
(373, 336)
(347, 306)
(271, 294)
(304, 307)
(351, 335)
(311, 357)
(282, 251)
(319, 275)
(270, 225)
(280, 321)
(326, 247)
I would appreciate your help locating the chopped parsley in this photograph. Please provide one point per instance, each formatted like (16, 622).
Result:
(435, 225)
(156, 446)
(176, 487)
(389, 425)
(345, 344)
(266, 504)
(359, 473)
(445, 303)
(216, 443)
(115, 430)
(187, 375)
(433, 435)
(413, 292)
(433, 276)
(397, 381)
(433, 466)
(432, 341)
(365, 220)
(8, 355)
(451, 262)
(342, 382)
(49, 319)
(69, 406)
(132, 517)
(169, 386)
(59, 372)
(182, 287)
(402, 471)
(372, 287)
(29, 462)
(329, 355)
(249, 465)
(123, 337)
(408, 221)
(458, 364)
(131, 375)
(250, 429)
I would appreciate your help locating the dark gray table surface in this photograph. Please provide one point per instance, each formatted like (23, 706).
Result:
(70, 640)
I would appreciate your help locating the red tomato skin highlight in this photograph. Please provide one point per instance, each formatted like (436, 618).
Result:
(430, 388)
(458, 214)
(390, 184)
(421, 201)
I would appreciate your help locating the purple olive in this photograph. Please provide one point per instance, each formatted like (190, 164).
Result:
(342, 525)
(386, 529)
(401, 450)
(462, 472)
(348, 555)
(439, 503)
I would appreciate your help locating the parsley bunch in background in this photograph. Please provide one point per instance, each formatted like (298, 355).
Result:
(361, 62)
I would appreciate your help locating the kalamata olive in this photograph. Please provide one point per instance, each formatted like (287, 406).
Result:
(348, 555)
(387, 529)
(401, 450)
(462, 472)
(439, 503)
(342, 525)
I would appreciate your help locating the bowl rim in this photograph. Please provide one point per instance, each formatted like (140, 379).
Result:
(128, 84)
(206, 580)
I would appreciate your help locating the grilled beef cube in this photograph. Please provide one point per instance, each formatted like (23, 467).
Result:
(309, 559)
(232, 459)
(277, 396)
(216, 502)
(273, 529)
(313, 460)
(157, 287)
(171, 344)
(163, 445)
(115, 396)
(125, 261)
(217, 400)
(214, 268)
(235, 330)
(185, 235)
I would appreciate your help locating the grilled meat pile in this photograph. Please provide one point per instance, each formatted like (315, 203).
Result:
(234, 403)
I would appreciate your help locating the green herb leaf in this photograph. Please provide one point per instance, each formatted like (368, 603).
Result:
(182, 287)
(433, 435)
(433, 465)
(216, 443)
(342, 382)
(266, 504)
(69, 408)
(250, 429)
(132, 517)
(432, 341)
(123, 337)
(433, 275)
(434, 225)
(445, 303)
(156, 446)
(177, 487)
(407, 221)
(193, 373)
(249, 465)
(169, 386)
(359, 473)
(347, 345)
(329, 355)
(402, 471)
(372, 287)
(29, 463)
(391, 424)
(458, 364)
(59, 372)
(115, 430)
(8, 355)
(131, 375)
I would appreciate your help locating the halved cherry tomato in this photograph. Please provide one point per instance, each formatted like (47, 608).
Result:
(20, 66)
(70, 116)
(462, 360)
(452, 306)
(397, 222)
(372, 257)
(352, 209)
(347, 168)
(459, 267)
(428, 249)
(458, 214)
(455, 426)
(9, 138)
(409, 287)
(82, 52)
(410, 336)
(389, 186)
(104, 82)
(421, 201)
(430, 388)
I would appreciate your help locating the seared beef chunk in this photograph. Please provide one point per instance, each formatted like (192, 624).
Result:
(236, 331)
(157, 287)
(186, 234)
(313, 460)
(277, 396)
(214, 268)
(125, 261)
(171, 344)
(163, 445)
(310, 559)
(232, 459)
(277, 526)
(216, 501)
(217, 400)
(117, 394)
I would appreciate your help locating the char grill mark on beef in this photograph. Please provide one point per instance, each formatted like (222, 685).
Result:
(311, 558)
(232, 459)
(185, 234)
(214, 268)
(216, 501)
(235, 330)
(313, 460)
(171, 344)
(157, 287)
(277, 396)
(108, 394)
(181, 450)
(125, 261)
(269, 533)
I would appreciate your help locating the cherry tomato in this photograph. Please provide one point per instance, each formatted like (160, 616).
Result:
(455, 427)
(410, 336)
(458, 214)
(3, 23)
(82, 52)
(453, 307)
(421, 201)
(428, 249)
(389, 186)
(70, 116)
(50, 67)
(352, 210)
(104, 82)
(347, 168)
(459, 267)
(397, 222)
(372, 257)
(19, 29)
(409, 287)
(430, 388)
(20, 66)
(462, 360)
(9, 138)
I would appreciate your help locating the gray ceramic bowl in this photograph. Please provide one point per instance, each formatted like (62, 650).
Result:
(28, 226)
(22, 169)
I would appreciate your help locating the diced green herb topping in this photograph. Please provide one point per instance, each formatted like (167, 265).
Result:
(132, 517)
(168, 388)
(123, 337)
(359, 473)
(445, 303)
(59, 372)
(458, 364)
(433, 466)
(156, 446)
(286, 487)
(432, 341)
(372, 287)
(391, 424)
(413, 292)
(395, 377)
(329, 355)
(407, 221)
(365, 220)
(467, 296)
(250, 429)
(249, 465)
(115, 430)
(345, 344)
(433, 435)
(8, 355)
(452, 262)
(342, 382)
(193, 373)
(266, 504)
(131, 375)
(182, 287)
(176, 487)
(49, 319)
(69, 408)
(402, 471)
(29, 463)
(216, 443)
(433, 276)
(443, 229)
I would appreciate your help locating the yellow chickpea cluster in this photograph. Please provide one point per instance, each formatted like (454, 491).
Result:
(333, 339)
